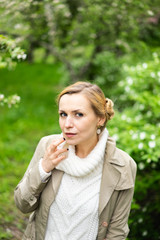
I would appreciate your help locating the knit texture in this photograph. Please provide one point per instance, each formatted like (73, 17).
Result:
(44, 175)
(74, 213)
(80, 167)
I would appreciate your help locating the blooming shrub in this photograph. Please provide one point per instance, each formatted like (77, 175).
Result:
(10, 54)
(10, 100)
(136, 127)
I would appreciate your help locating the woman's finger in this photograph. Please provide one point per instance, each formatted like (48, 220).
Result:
(57, 160)
(53, 146)
(60, 151)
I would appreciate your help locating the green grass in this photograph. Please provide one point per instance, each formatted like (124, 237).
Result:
(20, 130)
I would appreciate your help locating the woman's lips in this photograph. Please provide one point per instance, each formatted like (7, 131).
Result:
(69, 135)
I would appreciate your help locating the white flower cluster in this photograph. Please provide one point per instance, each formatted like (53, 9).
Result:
(142, 136)
(1, 97)
(10, 100)
(22, 56)
(13, 100)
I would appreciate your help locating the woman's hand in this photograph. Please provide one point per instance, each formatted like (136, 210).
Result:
(53, 155)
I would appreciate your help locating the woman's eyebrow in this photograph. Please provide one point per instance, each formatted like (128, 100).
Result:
(76, 110)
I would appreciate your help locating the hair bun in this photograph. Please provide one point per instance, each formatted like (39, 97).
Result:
(109, 108)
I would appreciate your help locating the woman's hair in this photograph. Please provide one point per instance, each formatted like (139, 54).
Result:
(102, 107)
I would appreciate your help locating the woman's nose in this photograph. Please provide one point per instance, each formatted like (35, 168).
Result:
(68, 122)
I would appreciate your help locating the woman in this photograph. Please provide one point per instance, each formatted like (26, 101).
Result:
(78, 185)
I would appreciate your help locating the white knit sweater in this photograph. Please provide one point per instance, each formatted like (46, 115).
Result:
(74, 213)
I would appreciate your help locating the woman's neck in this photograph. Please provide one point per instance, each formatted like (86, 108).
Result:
(83, 150)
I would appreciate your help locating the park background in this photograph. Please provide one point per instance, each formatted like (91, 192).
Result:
(46, 45)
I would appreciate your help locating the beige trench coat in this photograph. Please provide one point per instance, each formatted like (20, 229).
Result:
(116, 193)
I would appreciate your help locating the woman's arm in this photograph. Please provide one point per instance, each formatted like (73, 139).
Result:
(118, 227)
(28, 191)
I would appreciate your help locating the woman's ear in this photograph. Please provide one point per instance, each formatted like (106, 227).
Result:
(101, 121)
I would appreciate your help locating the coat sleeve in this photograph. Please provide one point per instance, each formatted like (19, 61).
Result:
(28, 190)
(118, 228)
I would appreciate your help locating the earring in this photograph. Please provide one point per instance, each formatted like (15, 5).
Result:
(98, 131)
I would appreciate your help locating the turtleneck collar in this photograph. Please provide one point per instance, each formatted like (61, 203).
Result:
(79, 167)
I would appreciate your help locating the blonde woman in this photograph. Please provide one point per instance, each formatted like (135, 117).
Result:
(79, 185)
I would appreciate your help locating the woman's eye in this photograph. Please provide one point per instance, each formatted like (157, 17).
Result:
(63, 114)
(79, 114)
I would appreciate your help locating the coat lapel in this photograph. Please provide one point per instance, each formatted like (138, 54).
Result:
(110, 177)
(56, 180)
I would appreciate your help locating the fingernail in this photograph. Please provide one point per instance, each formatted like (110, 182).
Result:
(64, 138)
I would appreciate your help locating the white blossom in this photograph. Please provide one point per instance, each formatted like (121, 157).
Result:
(19, 56)
(129, 80)
(24, 56)
(144, 65)
(1, 97)
(155, 54)
(150, 13)
(153, 136)
(140, 145)
(131, 132)
(115, 137)
(141, 166)
(152, 144)
(129, 120)
(142, 135)
(124, 117)
(141, 106)
(18, 26)
(67, 14)
(127, 88)
(152, 74)
(138, 118)
(60, 6)
(149, 113)
(144, 233)
(135, 136)
(140, 220)
(121, 83)
(144, 209)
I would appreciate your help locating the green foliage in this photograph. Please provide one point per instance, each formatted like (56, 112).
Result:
(107, 69)
(136, 128)
(21, 129)
(75, 32)
(9, 55)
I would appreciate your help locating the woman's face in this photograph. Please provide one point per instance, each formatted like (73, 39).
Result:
(77, 120)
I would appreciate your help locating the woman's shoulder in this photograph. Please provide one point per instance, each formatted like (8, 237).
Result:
(127, 159)
(124, 163)
(119, 156)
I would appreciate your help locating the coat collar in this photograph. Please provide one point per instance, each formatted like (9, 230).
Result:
(110, 153)
(110, 175)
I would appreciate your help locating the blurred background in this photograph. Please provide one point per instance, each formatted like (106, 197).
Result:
(46, 45)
